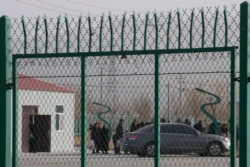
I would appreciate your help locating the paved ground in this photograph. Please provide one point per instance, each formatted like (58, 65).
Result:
(112, 160)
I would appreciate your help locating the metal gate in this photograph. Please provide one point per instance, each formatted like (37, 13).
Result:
(166, 71)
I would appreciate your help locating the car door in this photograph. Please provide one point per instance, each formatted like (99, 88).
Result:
(189, 140)
(169, 139)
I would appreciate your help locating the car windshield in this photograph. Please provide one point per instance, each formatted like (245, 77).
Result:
(169, 128)
(147, 128)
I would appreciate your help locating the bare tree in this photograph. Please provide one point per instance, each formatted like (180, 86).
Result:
(196, 99)
(143, 107)
(223, 108)
(194, 102)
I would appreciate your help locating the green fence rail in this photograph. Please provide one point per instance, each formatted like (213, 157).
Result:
(244, 85)
(6, 89)
(144, 67)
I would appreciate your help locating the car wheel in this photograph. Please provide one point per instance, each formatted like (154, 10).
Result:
(214, 149)
(150, 149)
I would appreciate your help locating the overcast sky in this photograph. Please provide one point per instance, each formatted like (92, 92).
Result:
(17, 8)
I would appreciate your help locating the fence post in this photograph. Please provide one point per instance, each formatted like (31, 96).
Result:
(6, 91)
(244, 85)
(83, 112)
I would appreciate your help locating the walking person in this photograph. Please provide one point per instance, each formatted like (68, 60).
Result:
(105, 139)
(224, 130)
(199, 126)
(118, 136)
(96, 137)
(187, 122)
(134, 125)
(91, 144)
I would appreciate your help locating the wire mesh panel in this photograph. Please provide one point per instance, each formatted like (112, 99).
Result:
(121, 100)
(119, 94)
(183, 74)
(108, 114)
(48, 105)
(189, 82)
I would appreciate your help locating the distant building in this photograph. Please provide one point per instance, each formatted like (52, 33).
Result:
(45, 116)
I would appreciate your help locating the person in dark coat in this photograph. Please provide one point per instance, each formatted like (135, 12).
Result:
(211, 129)
(237, 136)
(199, 126)
(118, 136)
(105, 139)
(96, 137)
(187, 122)
(224, 130)
(134, 125)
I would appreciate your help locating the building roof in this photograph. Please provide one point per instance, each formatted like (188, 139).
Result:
(30, 83)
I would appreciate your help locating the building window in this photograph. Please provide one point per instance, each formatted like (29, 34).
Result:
(59, 118)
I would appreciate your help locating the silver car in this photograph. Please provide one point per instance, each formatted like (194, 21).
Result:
(175, 138)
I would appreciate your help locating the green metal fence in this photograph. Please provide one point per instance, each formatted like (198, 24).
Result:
(159, 67)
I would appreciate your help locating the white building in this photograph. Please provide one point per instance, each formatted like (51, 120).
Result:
(45, 116)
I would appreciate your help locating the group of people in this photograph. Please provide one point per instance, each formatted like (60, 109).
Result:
(100, 138)
(211, 128)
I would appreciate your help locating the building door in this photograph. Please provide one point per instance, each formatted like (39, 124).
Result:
(26, 112)
(40, 129)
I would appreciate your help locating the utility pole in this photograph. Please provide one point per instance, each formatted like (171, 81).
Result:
(180, 78)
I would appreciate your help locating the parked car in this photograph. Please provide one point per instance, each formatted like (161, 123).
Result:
(175, 138)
